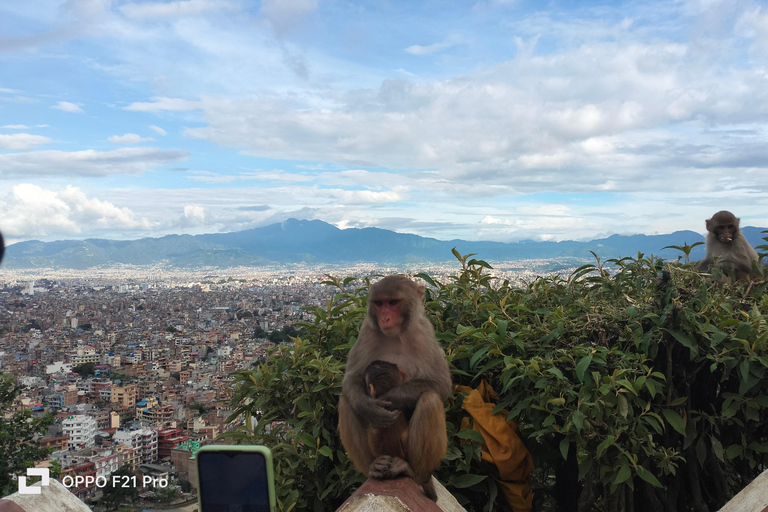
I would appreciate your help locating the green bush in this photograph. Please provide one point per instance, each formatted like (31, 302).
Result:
(636, 383)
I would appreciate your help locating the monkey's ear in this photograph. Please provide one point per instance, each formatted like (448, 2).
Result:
(706, 222)
(420, 290)
(403, 375)
(371, 390)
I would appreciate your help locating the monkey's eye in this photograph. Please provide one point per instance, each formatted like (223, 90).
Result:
(378, 303)
(394, 302)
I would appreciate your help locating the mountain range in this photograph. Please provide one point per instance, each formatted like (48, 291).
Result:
(314, 241)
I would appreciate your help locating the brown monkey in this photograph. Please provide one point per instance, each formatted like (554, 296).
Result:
(395, 329)
(381, 377)
(727, 247)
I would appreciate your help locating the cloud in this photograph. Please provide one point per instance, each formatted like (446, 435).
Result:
(21, 141)
(284, 15)
(194, 215)
(156, 10)
(87, 163)
(258, 208)
(158, 104)
(30, 211)
(158, 130)
(68, 107)
(433, 48)
(16, 127)
(129, 138)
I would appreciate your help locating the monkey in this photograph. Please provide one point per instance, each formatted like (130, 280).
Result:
(727, 247)
(381, 377)
(395, 329)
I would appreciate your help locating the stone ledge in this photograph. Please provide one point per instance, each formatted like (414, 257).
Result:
(53, 497)
(753, 498)
(399, 495)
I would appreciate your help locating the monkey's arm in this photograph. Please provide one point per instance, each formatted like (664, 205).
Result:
(407, 394)
(704, 264)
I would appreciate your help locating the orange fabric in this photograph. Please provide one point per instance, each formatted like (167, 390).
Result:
(503, 447)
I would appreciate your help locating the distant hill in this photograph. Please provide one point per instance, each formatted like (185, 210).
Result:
(314, 241)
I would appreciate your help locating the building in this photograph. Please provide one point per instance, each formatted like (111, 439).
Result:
(85, 470)
(144, 439)
(169, 439)
(129, 456)
(85, 354)
(160, 416)
(125, 396)
(81, 430)
(58, 443)
(107, 464)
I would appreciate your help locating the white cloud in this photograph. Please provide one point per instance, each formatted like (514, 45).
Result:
(66, 106)
(194, 215)
(16, 127)
(30, 211)
(158, 130)
(158, 104)
(21, 141)
(87, 163)
(434, 47)
(129, 138)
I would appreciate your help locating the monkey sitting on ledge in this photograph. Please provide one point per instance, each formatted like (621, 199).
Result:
(396, 330)
(727, 247)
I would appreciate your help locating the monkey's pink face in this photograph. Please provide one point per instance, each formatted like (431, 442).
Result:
(388, 315)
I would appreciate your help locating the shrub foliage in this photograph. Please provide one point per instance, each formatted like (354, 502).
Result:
(637, 384)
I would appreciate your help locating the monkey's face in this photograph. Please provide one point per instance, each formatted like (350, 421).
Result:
(724, 225)
(389, 315)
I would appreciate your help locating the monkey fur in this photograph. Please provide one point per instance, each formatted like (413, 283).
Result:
(382, 376)
(396, 330)
(727, 248)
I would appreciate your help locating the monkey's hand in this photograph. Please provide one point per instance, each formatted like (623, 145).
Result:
(375, 412)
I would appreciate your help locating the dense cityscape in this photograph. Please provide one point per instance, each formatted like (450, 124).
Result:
(134, 363)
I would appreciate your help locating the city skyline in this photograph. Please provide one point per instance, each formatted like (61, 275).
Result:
(493, 120)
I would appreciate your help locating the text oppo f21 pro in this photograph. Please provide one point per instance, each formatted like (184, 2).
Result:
(235, 479)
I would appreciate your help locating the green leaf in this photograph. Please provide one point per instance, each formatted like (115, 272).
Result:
(623, 407)
(582, 366)
(474, 435)
(734, 451)
(648, 476)
(687, 341)
(605, 445)
(326, 451)
(578, 420)
(623, 475)
(674, 419)
(717, 448)
(464, 481)
(556, 372)
(564, 445)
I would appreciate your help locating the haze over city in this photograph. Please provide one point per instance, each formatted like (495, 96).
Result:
(488, 120)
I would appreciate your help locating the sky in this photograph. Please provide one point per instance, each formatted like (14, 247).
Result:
(495, 120)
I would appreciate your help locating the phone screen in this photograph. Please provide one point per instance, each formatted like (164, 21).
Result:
(233, 481)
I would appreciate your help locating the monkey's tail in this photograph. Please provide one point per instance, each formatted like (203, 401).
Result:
(427, 437)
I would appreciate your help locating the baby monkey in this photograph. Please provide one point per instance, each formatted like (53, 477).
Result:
(380, 378)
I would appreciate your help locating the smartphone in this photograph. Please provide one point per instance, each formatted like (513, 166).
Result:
(235, 479)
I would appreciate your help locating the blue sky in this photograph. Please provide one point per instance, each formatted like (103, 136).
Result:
(490, 120)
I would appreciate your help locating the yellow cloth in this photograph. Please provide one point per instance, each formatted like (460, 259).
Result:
(503, 447)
